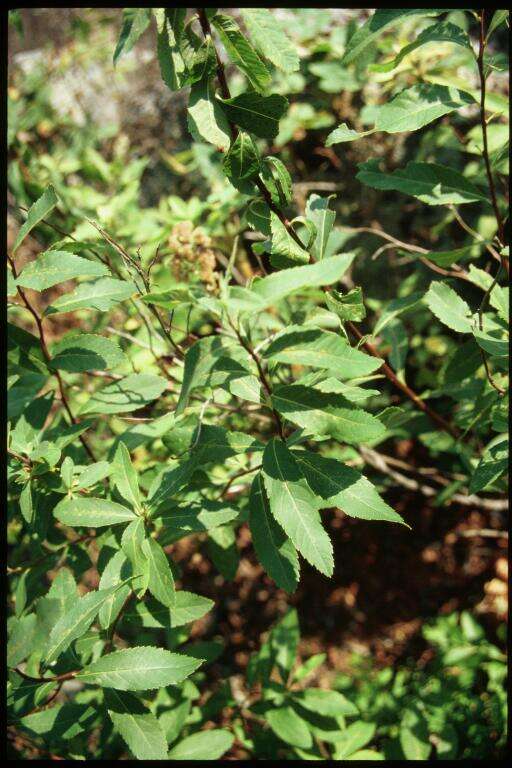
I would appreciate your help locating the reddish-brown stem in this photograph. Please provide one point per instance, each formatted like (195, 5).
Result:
(485, 150)
(47, 357)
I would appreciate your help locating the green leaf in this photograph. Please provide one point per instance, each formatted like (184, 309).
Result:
(131, 544)
(160, 580)
(289, 727)
(206, 118)
(36, 213)
(125, 477)
(295, 507)
(326, 414)
(492, 465)
(258, 217)
(20, 639)
(277, 180)
(354, 737)
(116, 571)
(343, 133)
(189, 607)
(344, 487)
(284, 641)
(142, 668)
(204, 745)
(348, 306)
(184, 521)
(94, 513)
(320, 349)
(92, 474)
(280, 284)
(327, 703)
(61, 722)
(285, 250)
(448, 307)
(135, 22)
(55, 267)
(242, 163)
(418, 106)
(465, 361)
(222, 549)
(137, 725)
(275, 551)
(203, 64)
(395, 334)
(241, 52)
(380, 21)
(128, 394)
(431, 183)
(170, 22)
(317, 211)
(414, 736)
(101, 295)
(257, 114)
(86, 352)
(269, 36)
(75, 622)
(441, 32)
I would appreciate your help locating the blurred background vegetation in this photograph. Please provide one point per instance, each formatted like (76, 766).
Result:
(114, 143)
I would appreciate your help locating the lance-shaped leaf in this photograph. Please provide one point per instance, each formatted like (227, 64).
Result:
(257, 114)
(295, 506)
(61, 722)
(492, 465)
(285, 250)
(344, 487)
(277, 180)
(291, 728)
(448, 307)
(343, 133)
(196, 518)
(355, 736)
(137, 725)
(93, 513)
(142, 668)
(206, 118)
(348, 306)
(327, 703)
(36, 213)
(431, 183)
(258, 217)
(280, 284)
(86, 352)
(320, 349)
(419, 105)
(92, 474)
(101, 294)
(125, 395)
(274, 549)
(160, 580)
(55, 267)
(379, 22)
(135, 22)
(241, 52)
(202, 64)
(242, 163)
(442, 32)
(117, 570)
(131, 544)
(326, 414)
(170, 22)
(204, 745)
(269, 36)
(125, 477)
(317, 211)
(75, 622)
(189, 607)
(166, 485)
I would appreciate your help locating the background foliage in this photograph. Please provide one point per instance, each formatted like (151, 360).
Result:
(218, 232)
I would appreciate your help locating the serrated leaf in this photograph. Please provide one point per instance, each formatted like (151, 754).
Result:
(348, 306)
(116, 571)
(54, 267)
(204, 745)
(189, 607)
(431, 183)
(101, 295)
(62, 721)
(343, 486)
(320, 349)
(418, 106)
(326, 414)
(274, 549)
(86, 352)
(295, 507)
(125, 477)
(137, 725)
(285, 251)
(289, 727)
(92, 474)
(280, 284)
(317, 211)
(196, 518)
(492, 465)
(242, 163)
(269, 36)
(20, 639)
(277, 180)
(94, 513)
(170, 22)
(160, 579)
(75, 622)
(448, 307)
(257, 114)
(135, 22)
(206, 118)
(37, 211)
(142, 668)
(441, 32)
(241, 52)
(125, 395)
